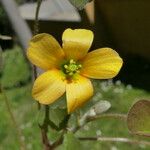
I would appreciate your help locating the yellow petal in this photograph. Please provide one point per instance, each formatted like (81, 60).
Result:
(44, 51)
(76, 43)
(78, 92)
(48, 87)
(102, 63)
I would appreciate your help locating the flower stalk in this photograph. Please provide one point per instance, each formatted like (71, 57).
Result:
(100, 116)
(36, 23)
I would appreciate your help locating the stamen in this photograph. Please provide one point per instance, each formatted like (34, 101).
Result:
(72, 67)
(65, 66)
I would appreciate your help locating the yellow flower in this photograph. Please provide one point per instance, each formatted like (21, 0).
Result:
(68, 68)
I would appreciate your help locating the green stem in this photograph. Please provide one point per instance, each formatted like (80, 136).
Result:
(19, 133)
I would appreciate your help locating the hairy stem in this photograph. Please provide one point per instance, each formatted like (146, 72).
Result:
(115, 139)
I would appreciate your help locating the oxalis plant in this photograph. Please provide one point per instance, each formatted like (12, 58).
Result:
(66, 84)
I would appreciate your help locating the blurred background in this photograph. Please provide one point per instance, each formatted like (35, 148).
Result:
(120, 24)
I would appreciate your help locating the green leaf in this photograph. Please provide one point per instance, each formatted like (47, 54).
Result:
(138, 119)
(79, 3)
(71, 142)
(57, 115)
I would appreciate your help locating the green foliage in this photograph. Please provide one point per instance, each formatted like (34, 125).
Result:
(79, 3)
(15, 70)
(139, 118)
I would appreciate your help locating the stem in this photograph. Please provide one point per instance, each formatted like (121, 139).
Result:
(35, 31)
(93, 118)
(36, 23)
(115, 116)
(114, 139)
(63, 126)
(44, 130)
(59, 141)
(19, 133)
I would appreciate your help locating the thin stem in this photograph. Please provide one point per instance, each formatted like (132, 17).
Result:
(63, 126)
(93, 118)
(36, 31)
(44, 130)
(114, 139)
(36, 23)
(60, 140)
(115, 116)
(19, 133)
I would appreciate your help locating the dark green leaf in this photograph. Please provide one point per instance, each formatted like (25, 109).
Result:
(139, 118)
(79, 3)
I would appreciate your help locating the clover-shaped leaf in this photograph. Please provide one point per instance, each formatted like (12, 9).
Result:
(138, 119)
(79, 3)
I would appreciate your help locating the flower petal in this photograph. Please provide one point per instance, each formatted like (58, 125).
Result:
(78, 92)
(49, 86)
(76, 43)
(44, 51)
(102, 63)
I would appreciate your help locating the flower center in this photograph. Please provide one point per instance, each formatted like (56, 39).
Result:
(72, 67)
